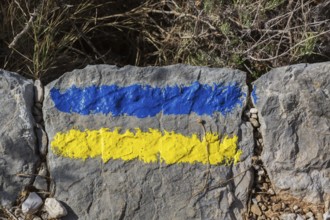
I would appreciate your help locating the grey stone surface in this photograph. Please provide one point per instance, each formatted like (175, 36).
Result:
(294, 112)
(135, 190)
(17, 138)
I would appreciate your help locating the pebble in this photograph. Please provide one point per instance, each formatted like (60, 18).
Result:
(255, 116)
(276, 207)
(253, 111)
(327, 205)
(254, 122)
(263, 208)
(261, 172)
(265, 186)
(36, 111)
(320, 217)
(271, 192)
(295, 207)
(256, 210)
(40, 181)
(38, 105)
(310, 215)
(299, 217)
(32, 204)
(54, 208)
(326, 215)
(38, 118)
(259, 198)
(38, 91)
(256, 167)
(41, 139)
(288, 216)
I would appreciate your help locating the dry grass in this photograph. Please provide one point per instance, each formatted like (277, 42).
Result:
(43, 39)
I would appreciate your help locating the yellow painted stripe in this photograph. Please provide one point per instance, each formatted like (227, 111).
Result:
(151, 146)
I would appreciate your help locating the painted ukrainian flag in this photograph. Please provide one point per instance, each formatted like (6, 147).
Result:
(143, 102)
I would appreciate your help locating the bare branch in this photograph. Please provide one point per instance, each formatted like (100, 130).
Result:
(25, 29)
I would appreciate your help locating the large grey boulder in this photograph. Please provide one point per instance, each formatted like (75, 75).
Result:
(18, 153)
(294, 112)
(122, 189)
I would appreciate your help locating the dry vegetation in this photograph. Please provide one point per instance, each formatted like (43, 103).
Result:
(43, 39)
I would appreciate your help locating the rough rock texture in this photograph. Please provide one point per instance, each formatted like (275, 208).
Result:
(121, 189)
(294, 114)
(17, 138)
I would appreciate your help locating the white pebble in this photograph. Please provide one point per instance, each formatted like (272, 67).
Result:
(295, 207)
(255, 116)
(54, 208)
(38, 91)
(253, 111)
(299, 217)
(309, 214)
(254, 123)
(32, 204)
(271, 192)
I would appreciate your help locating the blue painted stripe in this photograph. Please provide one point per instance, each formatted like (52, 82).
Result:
(143, 101)
(254, 95)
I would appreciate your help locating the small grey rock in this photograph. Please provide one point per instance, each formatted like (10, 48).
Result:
(256, 210)
(36, 111)
(254, 111)
(276, 207)
(38, 118)
(38, 105)
(254, 122)
(261, 172)
(38, 91)
(288, 216)
(32, 203)
(255, 116)
(326, 216)
(41, 139)
(299, 217)
(295, 207)
(309, 214)
(271, 192)
(40, 181)
(54, 208)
